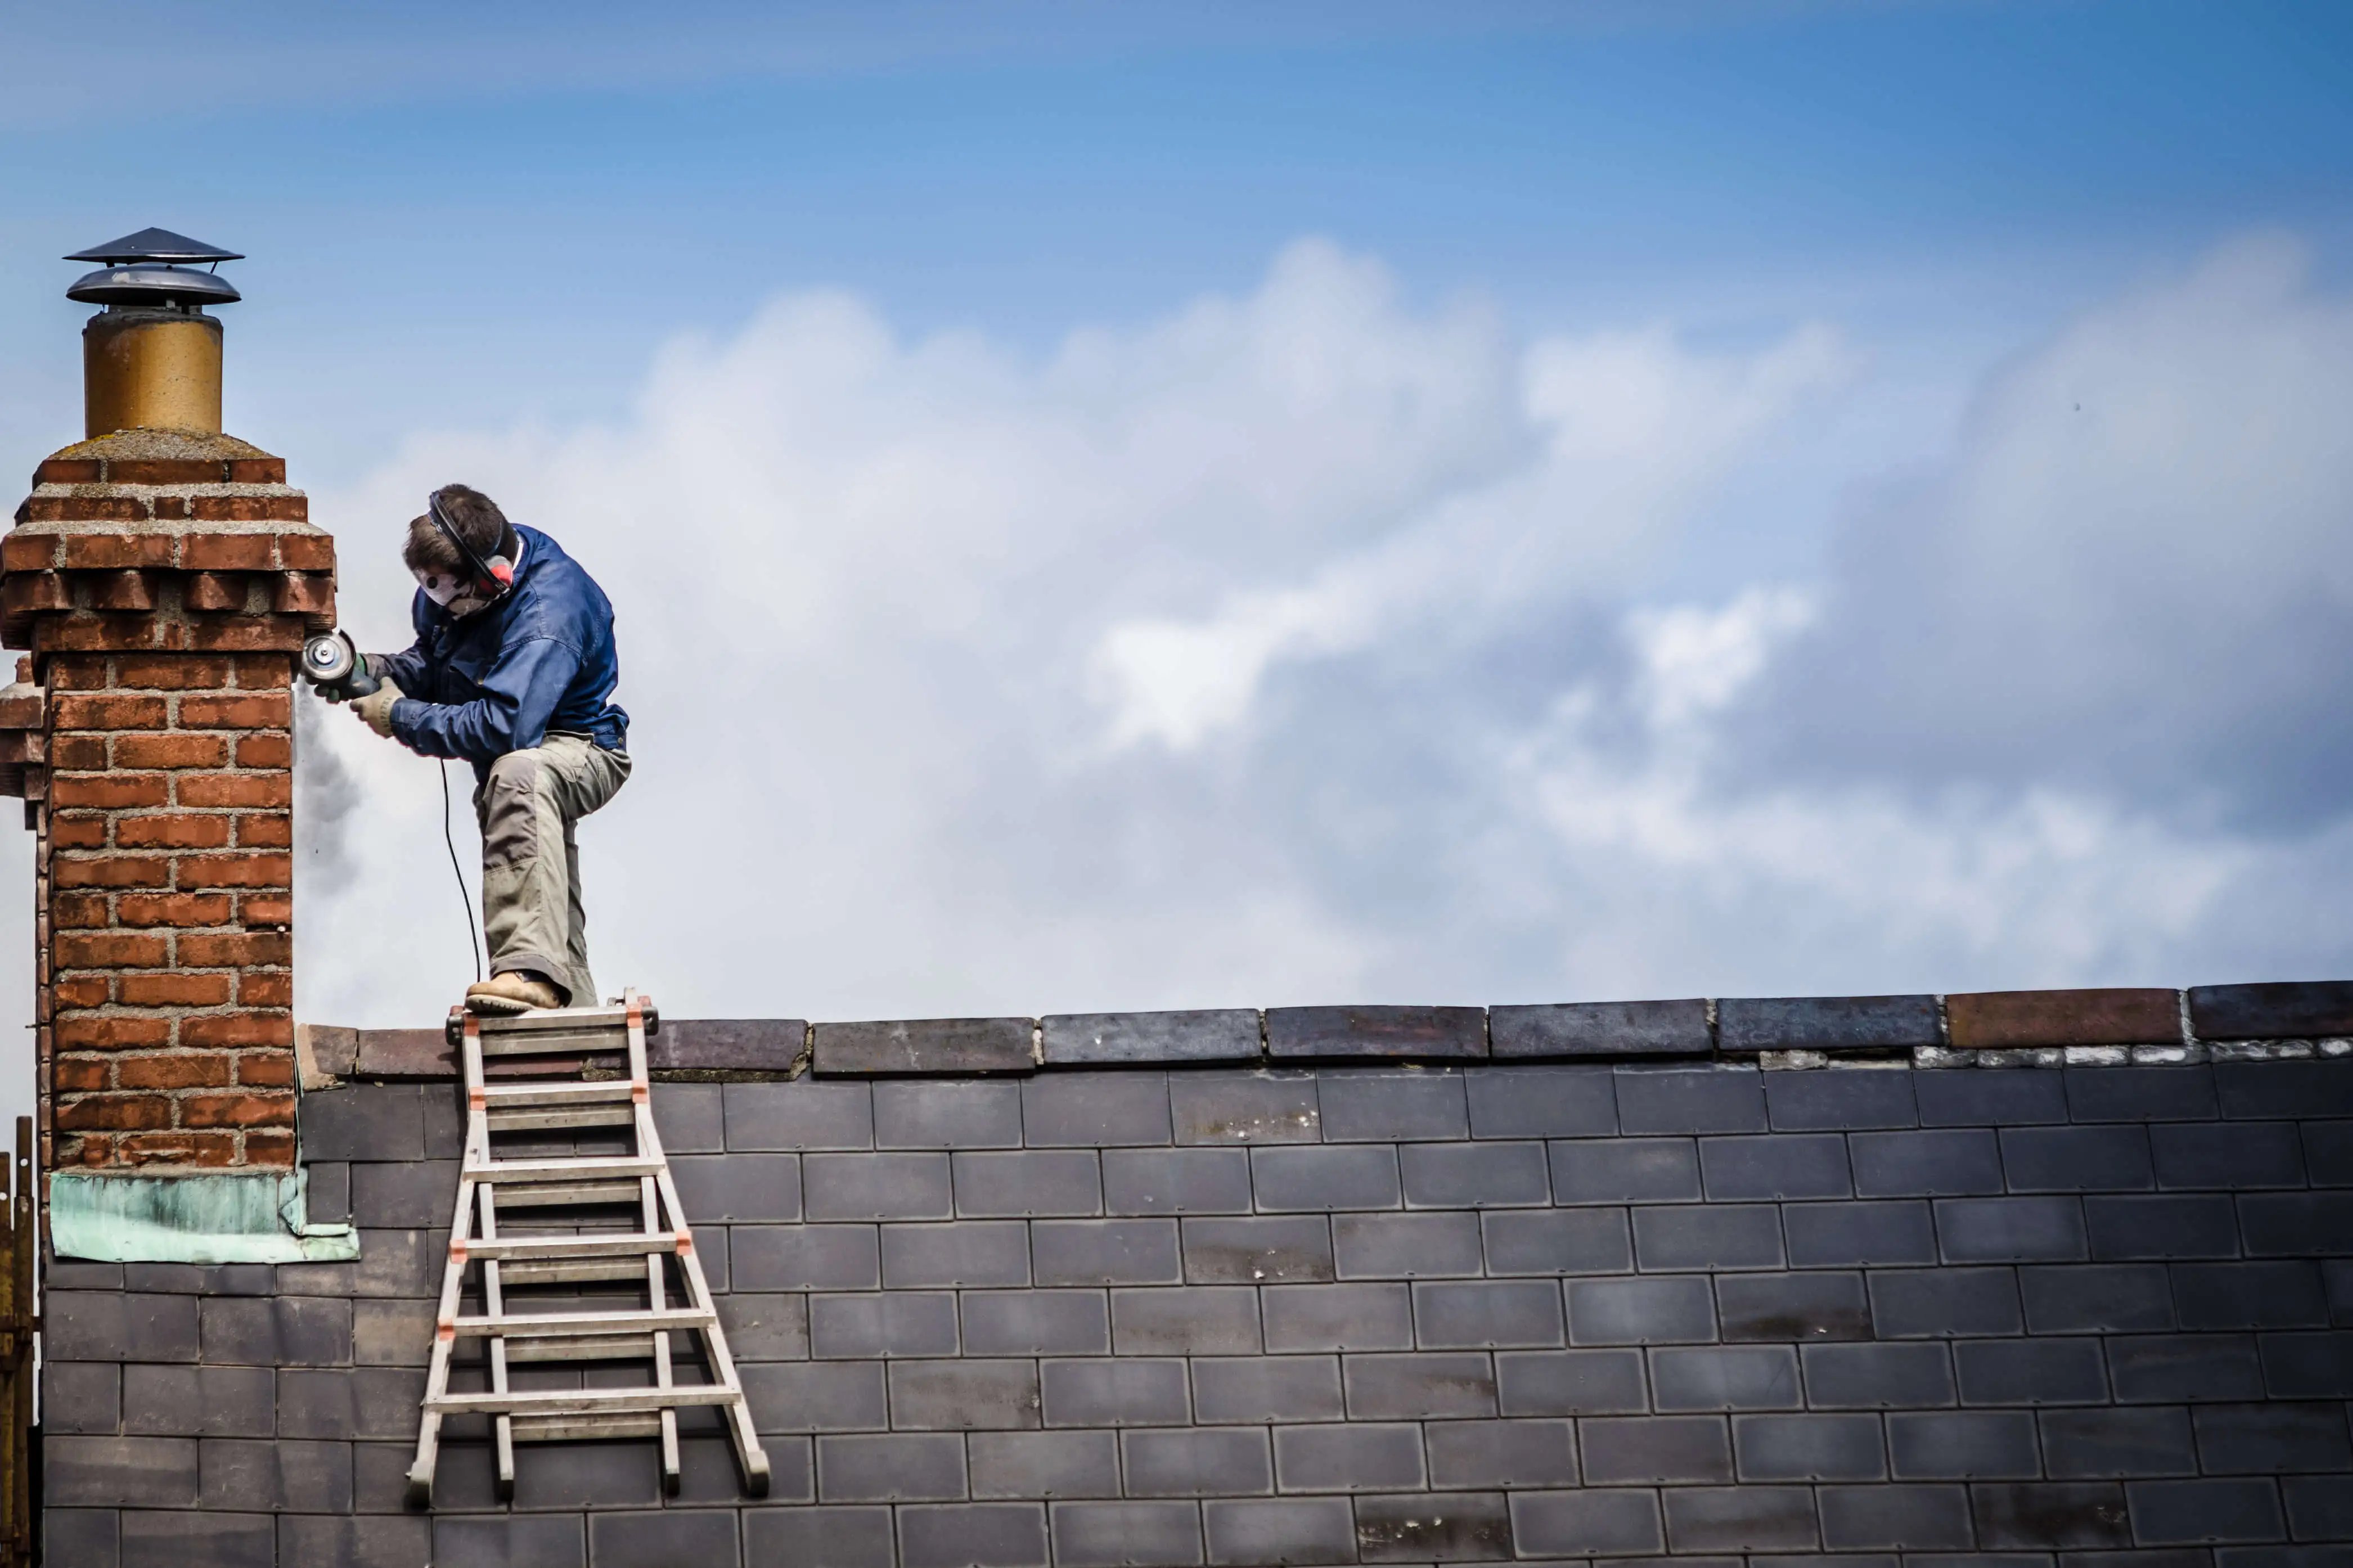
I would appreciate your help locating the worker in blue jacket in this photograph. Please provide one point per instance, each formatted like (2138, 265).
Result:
(514, 670)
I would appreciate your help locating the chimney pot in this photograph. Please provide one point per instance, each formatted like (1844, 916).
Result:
(151, 358)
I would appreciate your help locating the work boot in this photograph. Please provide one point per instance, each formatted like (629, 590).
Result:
(516, 991)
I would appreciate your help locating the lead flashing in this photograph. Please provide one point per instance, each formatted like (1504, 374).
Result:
(241, 1216)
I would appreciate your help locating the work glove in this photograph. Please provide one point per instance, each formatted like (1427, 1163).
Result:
(376, 708)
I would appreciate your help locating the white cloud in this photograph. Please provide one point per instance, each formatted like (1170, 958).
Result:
(2131, 577)
(1304, 645)
(1695, 661)
(1624, 434)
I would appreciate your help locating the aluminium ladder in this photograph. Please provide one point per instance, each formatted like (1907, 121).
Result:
(608, 1217)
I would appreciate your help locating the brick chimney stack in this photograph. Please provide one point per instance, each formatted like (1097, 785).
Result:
(164, 576)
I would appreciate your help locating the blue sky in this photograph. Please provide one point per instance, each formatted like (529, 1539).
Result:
(1244, 504)
(556, 193)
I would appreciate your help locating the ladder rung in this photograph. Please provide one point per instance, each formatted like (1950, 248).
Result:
(546, 1020)
(581, 1401)
(572, 1271)
(569, 1042)
(556, 1325)
(538, 1119)
(526, 1092)
(634, 1245)
(563, 1428)
(562, 1195)
(586, 1168)
(618, 1347)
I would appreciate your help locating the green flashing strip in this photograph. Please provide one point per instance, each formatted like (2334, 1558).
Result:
(245, 1216)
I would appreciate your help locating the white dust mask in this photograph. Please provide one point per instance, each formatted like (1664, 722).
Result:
(449, 589)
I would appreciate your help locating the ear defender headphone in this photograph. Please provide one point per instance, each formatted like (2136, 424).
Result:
(496, 574)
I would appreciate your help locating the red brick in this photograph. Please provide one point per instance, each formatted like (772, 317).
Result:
(174, 831)
(307, 552)
(67, 471)
(171, 751)
(258, 869)
(265, 1070)
(255, 1109)
(269, 749)
(29, 551)
(79, 830)
(263, 671)
(109, 710)
(79, 911)
(119, 950)
(111, 871)
(2121, 1017)
(112, 1032)
(304, 593)
(114, 1112)
(198, 1069)
(184, 672)
(264, 830)
(165, 470)
(122, 590)
(27, 593)
(173, 989)
(173, 910)
(80, 991)
(78, 672)
(92, 1151)
(246, 710)
(169, 508)
(271, 988)
(265, 910)
(89, 634)
(79, 753)
(265, 1027)
(212, 592)
(246, 950)
(264, 789)
(84, 507)
(244, 634)
(263, 1148)
(205, 1148)
(111, 790)
(106, 552)
(256, 470)
(79, 1075)
(228, 552)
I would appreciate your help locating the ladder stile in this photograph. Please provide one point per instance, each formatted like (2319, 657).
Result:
(649, 1210)
(494, 1306)
(580, 1242)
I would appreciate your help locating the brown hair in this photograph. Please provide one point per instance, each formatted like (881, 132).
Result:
(477, 519)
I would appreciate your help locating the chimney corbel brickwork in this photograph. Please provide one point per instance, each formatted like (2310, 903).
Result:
(163, 582)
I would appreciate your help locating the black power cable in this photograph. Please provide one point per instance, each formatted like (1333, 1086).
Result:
(465, 896)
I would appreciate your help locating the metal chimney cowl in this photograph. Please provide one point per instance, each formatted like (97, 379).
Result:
(151, 358)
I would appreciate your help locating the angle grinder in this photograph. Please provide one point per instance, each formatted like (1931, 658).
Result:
(331, 662)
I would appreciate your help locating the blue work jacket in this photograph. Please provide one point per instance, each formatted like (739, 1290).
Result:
(497, 680)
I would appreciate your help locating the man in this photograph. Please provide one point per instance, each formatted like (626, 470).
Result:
(514, 670)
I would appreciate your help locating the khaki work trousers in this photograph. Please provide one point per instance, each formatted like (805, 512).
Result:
(531, 915)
